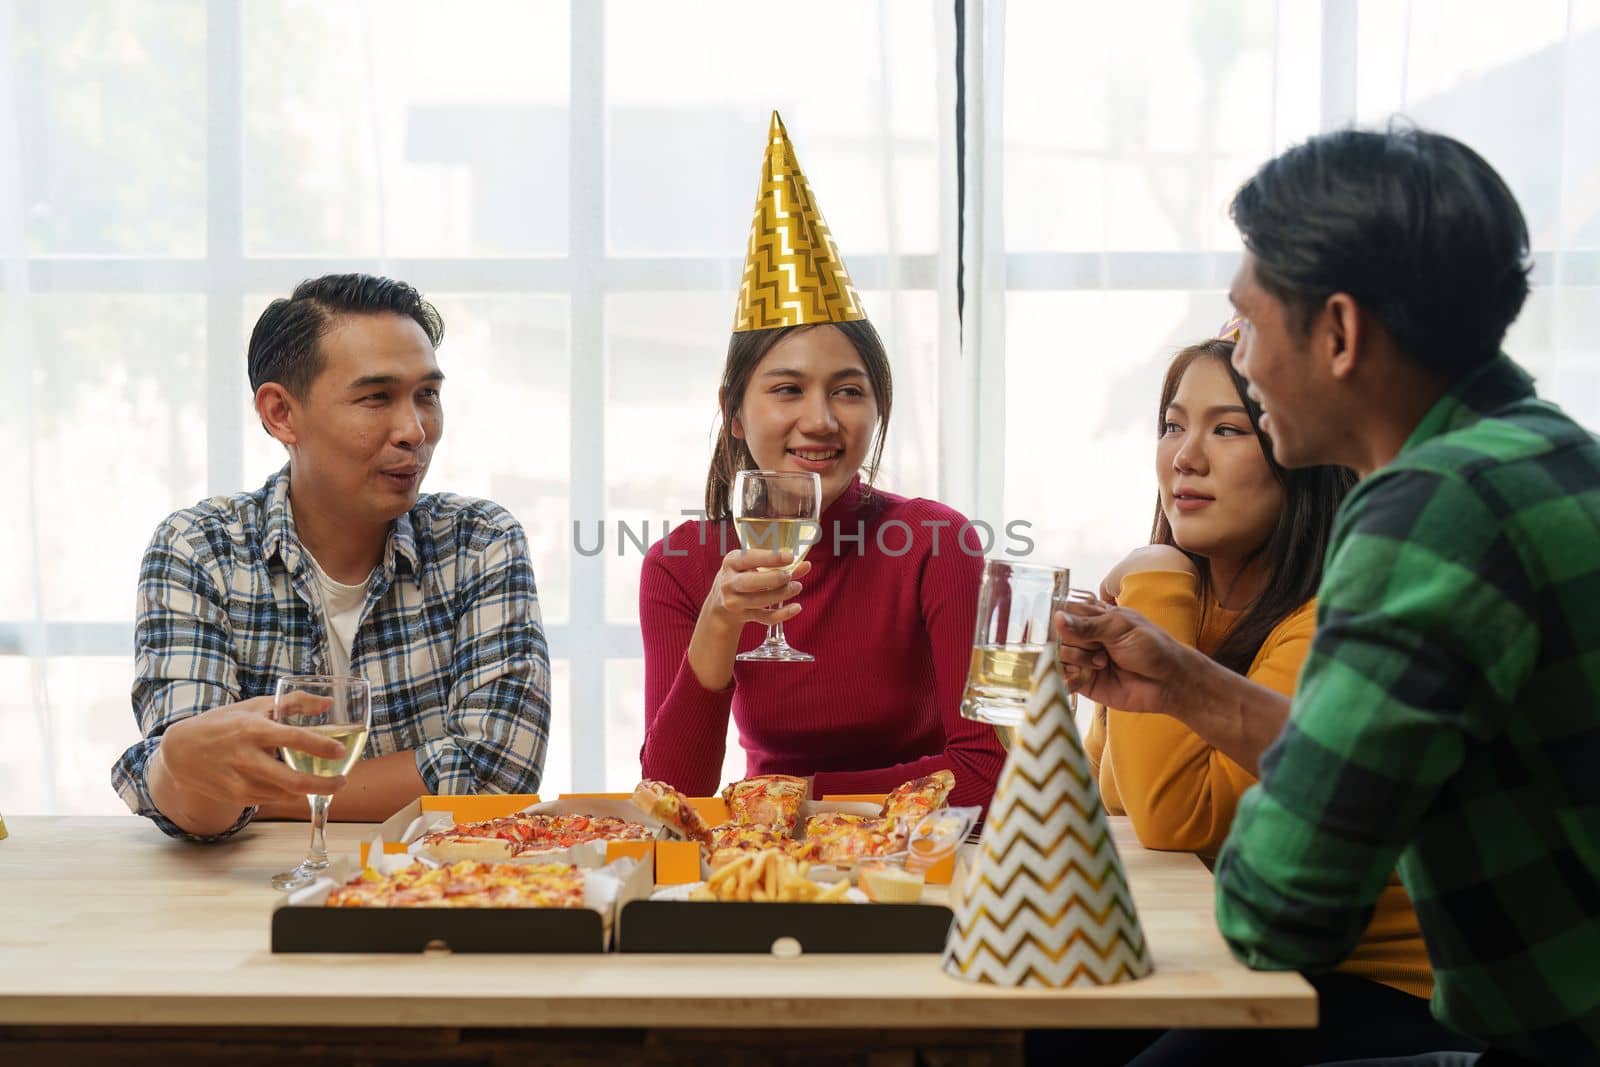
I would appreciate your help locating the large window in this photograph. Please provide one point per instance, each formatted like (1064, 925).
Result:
(571, 182)
(1115, 249)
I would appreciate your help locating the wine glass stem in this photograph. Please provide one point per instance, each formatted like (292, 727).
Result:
(318, 854)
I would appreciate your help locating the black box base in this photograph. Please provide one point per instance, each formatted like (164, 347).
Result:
(407, 930)
(695, 926)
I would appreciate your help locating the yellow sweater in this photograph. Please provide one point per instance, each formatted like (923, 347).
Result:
(1180, 792)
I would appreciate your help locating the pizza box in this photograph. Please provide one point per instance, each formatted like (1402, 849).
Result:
(301, 922)
(788, 928)
(400, 832)
(407, 824)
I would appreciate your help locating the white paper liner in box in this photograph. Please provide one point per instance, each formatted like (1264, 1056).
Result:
(342, 871)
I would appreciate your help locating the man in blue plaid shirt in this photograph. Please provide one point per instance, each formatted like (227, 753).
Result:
(337, 566)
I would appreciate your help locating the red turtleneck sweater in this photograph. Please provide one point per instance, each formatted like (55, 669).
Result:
(892, 634)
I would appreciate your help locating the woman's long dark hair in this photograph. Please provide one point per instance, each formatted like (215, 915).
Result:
(745, 351)
(1294, 551)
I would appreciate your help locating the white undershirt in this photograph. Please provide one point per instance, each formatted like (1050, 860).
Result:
(341, 611)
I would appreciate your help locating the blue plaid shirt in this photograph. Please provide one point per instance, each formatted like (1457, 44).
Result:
(449, 637)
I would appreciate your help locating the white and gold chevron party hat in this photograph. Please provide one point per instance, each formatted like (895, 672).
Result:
(793, 274)
(1047, 903)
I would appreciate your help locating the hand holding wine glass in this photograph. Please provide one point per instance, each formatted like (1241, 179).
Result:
(336, 708)
(752, 585)
(228, 757)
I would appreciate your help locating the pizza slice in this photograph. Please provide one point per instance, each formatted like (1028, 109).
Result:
(919, 796)
(767, 800)
(554, 833)
(660, 800)
(365, 890)
(488, 841)
(837, 837)
(732, 840)
(525, 834)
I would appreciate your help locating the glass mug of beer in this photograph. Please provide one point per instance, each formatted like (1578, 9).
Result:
(1015, 604)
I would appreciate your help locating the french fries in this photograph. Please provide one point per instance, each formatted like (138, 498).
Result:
(769, 875)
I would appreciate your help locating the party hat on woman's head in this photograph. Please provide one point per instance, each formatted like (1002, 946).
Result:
(1047, 902)
(793, 275)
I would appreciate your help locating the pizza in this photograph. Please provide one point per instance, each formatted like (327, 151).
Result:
(660, 800)
(836, 837)
(768, 800)
(738, 835)
(764, 813)
(919, 796)
(465, 884)
(732, 840)
(523, 835)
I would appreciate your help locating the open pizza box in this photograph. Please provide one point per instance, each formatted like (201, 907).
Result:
(404, 828)
(613, 871)
(674, 861)
(303, 923)
(667, 921)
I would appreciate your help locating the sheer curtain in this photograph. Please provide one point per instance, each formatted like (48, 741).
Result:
(571, 182)
(1108, 142)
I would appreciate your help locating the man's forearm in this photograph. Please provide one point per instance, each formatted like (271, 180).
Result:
(1237, 716)
(192, 813)
(377, 788)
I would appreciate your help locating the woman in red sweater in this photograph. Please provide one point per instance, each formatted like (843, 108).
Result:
(888, 618)
(885, 601)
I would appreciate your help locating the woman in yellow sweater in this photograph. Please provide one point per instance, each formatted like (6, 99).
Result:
(1233, 570)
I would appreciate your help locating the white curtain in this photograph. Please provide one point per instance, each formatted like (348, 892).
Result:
(1109, 142)
(570, 180)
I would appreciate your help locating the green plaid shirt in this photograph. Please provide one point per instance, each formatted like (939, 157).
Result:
(1447, 723)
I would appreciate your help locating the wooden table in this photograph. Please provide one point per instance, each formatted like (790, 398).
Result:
(105, 923)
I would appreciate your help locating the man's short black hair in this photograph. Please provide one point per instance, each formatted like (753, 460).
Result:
(283, 346)
(1415, 226)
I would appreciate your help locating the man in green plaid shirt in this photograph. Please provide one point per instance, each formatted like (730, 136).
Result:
(1447, 720)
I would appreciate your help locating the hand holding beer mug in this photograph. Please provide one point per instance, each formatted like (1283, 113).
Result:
(1015, 604)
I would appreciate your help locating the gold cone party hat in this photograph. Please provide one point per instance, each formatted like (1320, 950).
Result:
(793, 275)
(1047, 902)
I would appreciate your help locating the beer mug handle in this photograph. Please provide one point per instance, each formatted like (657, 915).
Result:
(1078, 596)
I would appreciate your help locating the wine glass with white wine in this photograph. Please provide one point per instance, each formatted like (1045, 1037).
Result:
(777, 511)
(335, 707)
